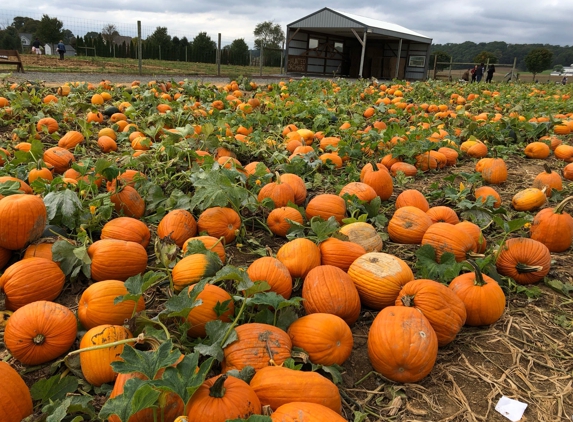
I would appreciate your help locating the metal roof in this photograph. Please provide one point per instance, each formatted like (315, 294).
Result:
(335, 22)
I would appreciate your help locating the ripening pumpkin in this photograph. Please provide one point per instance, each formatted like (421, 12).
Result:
(297, 185)
(443, 308)
(58, 158)
(326, 205)
(406, 168)
(274, 273)
(528, 199)
(378, 277)
(278, 220)
(408, 225)
(96, 305)
(24, 187)
(210, 243)
(402, 345)
(299, 411)
(280, 193)
(443, 214)
(39, 250)
(29, 280)
(48, 123)
(128, 201)
(71, 139)
(525, 260)
(483, 192)
(564, 152)
(340, 253)
(482, 296)
(211, 296)
(96, 364)
(179, 225)
(554, 227)
(15, 398)
(378, 178)
(40, 173)
(23, 220)
(258, 345)
(39, 332)
(277, 385)
(223, 398)
(363, 234)
(539, 150)
(475, 232)
(325, 337)
(299, 256)
(193, 268)
(568, 171)
(220, 222)
(126, 228)
(114, 259)
(445, 237)
(362, 191)
(549, 180)
(328, 289)
(494, 171)
(414, 198)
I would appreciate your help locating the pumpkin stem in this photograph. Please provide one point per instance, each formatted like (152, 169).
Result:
(217, 390)
(408, 300)
(278, 176)
(547, 168)
(478, 281)
(474, 255)
(559, 208)
(39, 339)
(524, 268)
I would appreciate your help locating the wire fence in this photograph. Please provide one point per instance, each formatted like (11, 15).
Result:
(92, 38)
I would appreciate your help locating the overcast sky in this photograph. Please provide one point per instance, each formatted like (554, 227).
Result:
(446, 21)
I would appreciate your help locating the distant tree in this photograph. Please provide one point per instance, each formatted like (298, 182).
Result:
(160, 36)
(184, 42)
(558, 68)
(176, 41)
(9, 39)
(49, 30)
(109, 32)
(268, 34)
(24, 24)
(203, 48)
(442, 57)
(484, 56)
(91, 34)
(538, 60)
(67, 36)
(239, 52)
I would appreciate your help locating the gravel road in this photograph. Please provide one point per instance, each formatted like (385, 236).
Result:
(60, 78)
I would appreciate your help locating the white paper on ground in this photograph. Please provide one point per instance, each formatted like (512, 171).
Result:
(511, 409)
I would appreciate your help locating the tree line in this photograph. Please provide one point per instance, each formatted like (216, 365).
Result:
(159, 45)
(500, 52)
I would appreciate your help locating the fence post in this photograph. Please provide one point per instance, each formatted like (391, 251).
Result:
(185, 53)
(139, 44)
(159, 51)
(261, 61)
(513, 68)
(451, 61)
(435, 64)
(219, 54)
(282, 54)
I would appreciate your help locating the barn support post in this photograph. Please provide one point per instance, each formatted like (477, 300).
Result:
(450, 73)
(398, 58)
(138, 45)
(219, 55)
(261, 61)
(435, 64)
(363, 43)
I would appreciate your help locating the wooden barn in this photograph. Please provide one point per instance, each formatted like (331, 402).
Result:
(333, 43)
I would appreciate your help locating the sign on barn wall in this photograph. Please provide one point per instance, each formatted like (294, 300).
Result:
(296, 64)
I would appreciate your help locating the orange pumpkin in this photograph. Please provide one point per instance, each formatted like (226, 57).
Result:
(114, 259)
(297, 185)
(408, 225)
(15, 399)
(280, 193)
(179, 225)
(220, 222)
(549, 180)
(553, 227)
(278, 220)
(325, 206)
(525, 260)
(413, 198)
(128, 202)
(60, 159)
(304, 411)
(378, 178)
(192, 268)
(340, 253)
(211, 296)
(273, 272)
(299, 256)
(443, 214)
(126, 228)
(71, 139)
(23, 220)
(482, 193)
(445, 237)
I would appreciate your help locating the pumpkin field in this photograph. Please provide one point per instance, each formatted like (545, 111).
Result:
(305, 250)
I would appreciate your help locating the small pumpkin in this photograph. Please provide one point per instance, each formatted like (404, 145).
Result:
(297, 185)
(443, 214)
(257, 345)
(483, 192)
(482, 296)
(96, 364)
(304, 411)
(23, 220)
(339, 253)
(211, 244)
(274, 273)
(549, 180)
(529, 199)
(278, 220)
(408, 225)
(325, 206)
(378, 178)
(128, 201)
(413, 198)
(71, 139)
(299, 256)
(362, 191)
(554, 227)
(280, 193)
(538, 150)
(328, 289)
(525, 260)
(58, 158)
(179, 225)
(114, 259)
(223, 398)
(211, 296)
(193, 268)
(364, 234)
(379, 277)
(39, 332)
(406, 168)
(126, 228)
(475, 232)
(220, 222)
(445, 237)
(402, 345)
(494, 171)
(15, 398)
(325, 337)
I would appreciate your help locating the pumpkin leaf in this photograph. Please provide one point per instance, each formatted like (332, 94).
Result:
(184, 379)
(181, 305)
(137, 395)
(10, 188)
(335, 372)
(213, 188)
(57, 410)
(217, 339)
(253, 418)
(137, 285)
(148, 363)
(323, 229)
(230, 272)
(72, 259)
(54, 388)
(245, 374)
(64, 208)
(564, 288)
(428, 267)
(511, 225)
(286, 317)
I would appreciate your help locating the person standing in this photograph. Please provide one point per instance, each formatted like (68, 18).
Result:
(61, 49)
(36, 46)
(466, 75)
(490, 72)
(479, 72)
(473, 72)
